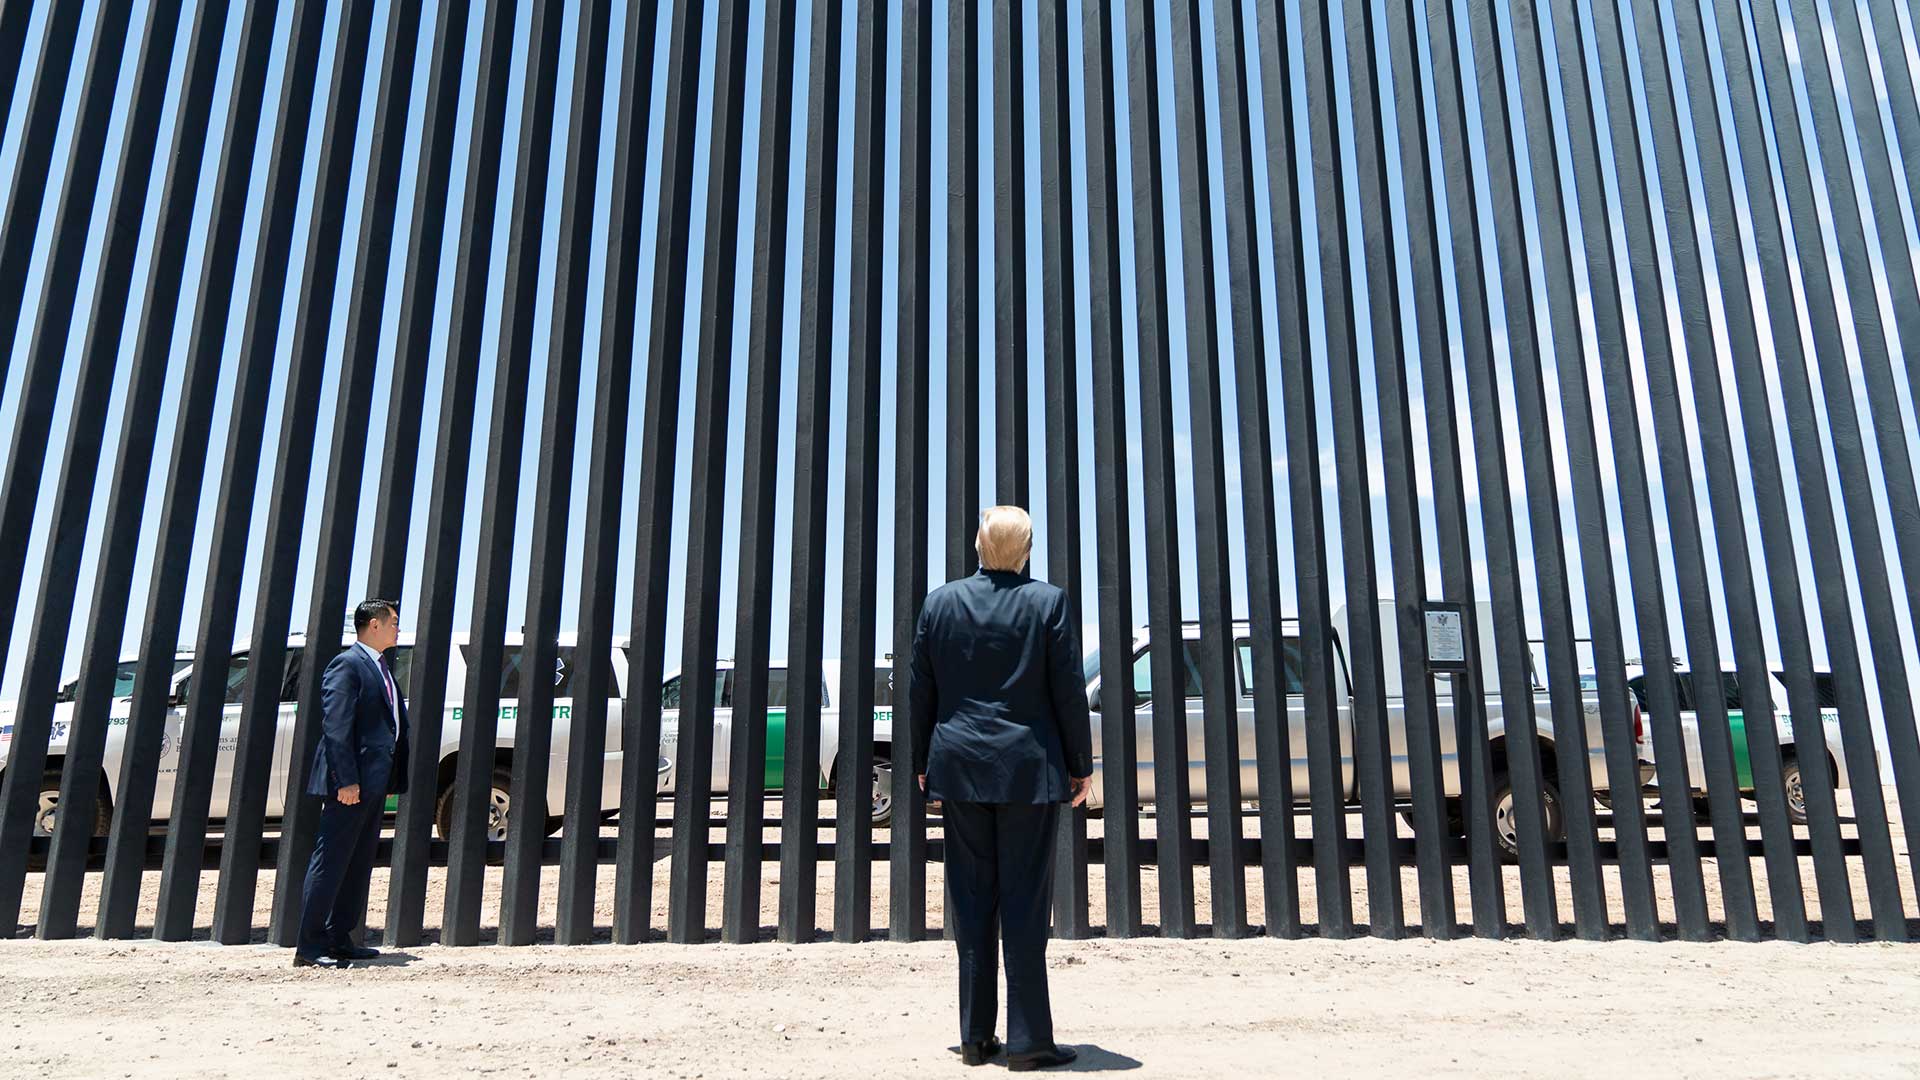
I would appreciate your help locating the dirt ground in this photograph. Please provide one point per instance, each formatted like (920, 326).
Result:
(1155, 1006)
(1256, 1007)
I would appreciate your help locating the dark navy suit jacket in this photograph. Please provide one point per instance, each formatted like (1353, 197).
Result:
(998, 695)
(358, 743)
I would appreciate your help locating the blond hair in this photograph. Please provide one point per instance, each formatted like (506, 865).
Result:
(1005, 540)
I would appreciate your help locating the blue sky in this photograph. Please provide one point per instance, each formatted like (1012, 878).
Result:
(1897, 229)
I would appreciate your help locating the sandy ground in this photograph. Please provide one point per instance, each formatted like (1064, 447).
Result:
(1151, 1007)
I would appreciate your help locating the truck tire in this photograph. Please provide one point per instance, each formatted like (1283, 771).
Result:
(1792, 779)
(882, 793)
(499, 809)
(45, 813)
(1504, 828)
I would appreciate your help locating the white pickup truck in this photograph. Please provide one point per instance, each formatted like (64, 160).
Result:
(1396, 721)
(183, 681)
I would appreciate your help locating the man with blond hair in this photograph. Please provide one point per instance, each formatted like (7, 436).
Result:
(1001, 739)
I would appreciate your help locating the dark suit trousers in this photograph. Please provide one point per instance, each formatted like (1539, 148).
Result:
(334, 899)
(1000, 872)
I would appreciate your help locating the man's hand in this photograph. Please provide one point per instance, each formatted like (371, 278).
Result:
(1082, 788)
(349, 795)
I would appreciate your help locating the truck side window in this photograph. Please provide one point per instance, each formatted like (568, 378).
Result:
(236, 678)
(1143, 675)
(290, 685)
(509, 670)
(722, 691)
(236, 682)
(1730, 686)
(1291, 668)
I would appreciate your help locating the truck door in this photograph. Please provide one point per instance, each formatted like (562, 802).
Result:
(1295, 711)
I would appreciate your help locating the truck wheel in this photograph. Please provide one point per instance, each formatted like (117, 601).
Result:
(499, 808)
(45, 813)
(1506, 829)
(882, 793)
(1791, 778)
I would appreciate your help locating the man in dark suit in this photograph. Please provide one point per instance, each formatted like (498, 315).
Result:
(360, 760)
(1001, 739)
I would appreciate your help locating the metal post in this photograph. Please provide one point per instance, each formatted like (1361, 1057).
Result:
(1173, 829)
(964, 302)
(1011, 458)
(640, 737)
(1060, 361)
(59, 51)
(800, 801)
(553, 490)
(1120, 842)
(693, 772)
(907, 840)
(853, 764)
(426, 691)
(747, 777)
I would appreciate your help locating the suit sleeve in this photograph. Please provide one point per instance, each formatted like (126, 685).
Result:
(339, 698)
(1067, 682)
(922, 696)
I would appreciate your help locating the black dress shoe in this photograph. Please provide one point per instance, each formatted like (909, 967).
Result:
(354, 952)
(328, 962)
(1045, 1059)
(979, 1053)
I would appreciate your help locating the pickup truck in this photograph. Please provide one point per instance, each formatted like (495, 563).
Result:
(186, 679)
(182, 685)
(1396, 720)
